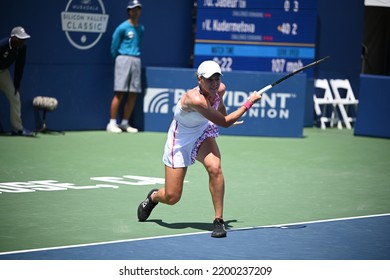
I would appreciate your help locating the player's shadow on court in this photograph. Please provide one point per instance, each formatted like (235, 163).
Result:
(194, 225)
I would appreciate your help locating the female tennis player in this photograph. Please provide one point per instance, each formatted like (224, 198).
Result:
(191, 137)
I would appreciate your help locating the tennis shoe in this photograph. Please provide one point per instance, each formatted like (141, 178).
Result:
(146, 207)
(113, 128)
(219, 228)
(23, 132)
(128, 128)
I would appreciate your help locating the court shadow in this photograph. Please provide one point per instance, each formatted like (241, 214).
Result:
(194, 225)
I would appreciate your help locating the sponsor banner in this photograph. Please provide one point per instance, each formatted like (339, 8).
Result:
(279, 113)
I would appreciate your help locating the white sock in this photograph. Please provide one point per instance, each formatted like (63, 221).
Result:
(125, 122)
(113, 122)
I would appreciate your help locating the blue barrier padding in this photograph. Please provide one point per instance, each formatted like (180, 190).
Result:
(373, 116)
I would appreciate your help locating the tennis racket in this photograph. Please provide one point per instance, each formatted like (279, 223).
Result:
(264, 89)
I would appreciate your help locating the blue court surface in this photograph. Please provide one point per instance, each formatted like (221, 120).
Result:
(355, 238)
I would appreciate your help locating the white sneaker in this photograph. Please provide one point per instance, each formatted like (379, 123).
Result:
(113, 128)
(128, 128)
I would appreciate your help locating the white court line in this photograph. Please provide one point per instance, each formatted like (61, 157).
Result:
(186, 234)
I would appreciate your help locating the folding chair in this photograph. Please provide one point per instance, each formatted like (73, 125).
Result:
(322, 98)
(345, 99)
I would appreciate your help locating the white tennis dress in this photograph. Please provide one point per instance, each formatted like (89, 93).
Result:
(185, 135)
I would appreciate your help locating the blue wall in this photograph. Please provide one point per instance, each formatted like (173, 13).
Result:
(82, 80)
(340, 35)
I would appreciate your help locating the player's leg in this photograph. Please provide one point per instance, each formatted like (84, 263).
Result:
(209, 155)
(169, 194)
(173, 189)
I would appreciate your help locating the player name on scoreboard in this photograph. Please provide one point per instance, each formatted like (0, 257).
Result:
(256, 35)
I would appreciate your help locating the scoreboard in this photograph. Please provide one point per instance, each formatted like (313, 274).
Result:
(256, 35)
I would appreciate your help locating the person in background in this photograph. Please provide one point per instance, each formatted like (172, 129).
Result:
(191, 137)
(13, 50)
(125, 49)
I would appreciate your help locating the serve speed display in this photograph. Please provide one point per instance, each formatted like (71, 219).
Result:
(256, 35)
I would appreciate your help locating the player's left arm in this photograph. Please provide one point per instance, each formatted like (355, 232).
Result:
(222, 107)
(221, 92)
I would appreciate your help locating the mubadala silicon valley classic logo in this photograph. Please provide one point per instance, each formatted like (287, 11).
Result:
(84, 22)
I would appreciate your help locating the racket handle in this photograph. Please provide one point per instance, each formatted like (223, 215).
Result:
(264, 89)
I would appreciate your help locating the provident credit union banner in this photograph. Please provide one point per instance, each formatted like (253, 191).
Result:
(280, 112)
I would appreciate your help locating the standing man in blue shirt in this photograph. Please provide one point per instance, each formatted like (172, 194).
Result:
(13, 50)
(125, 49)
